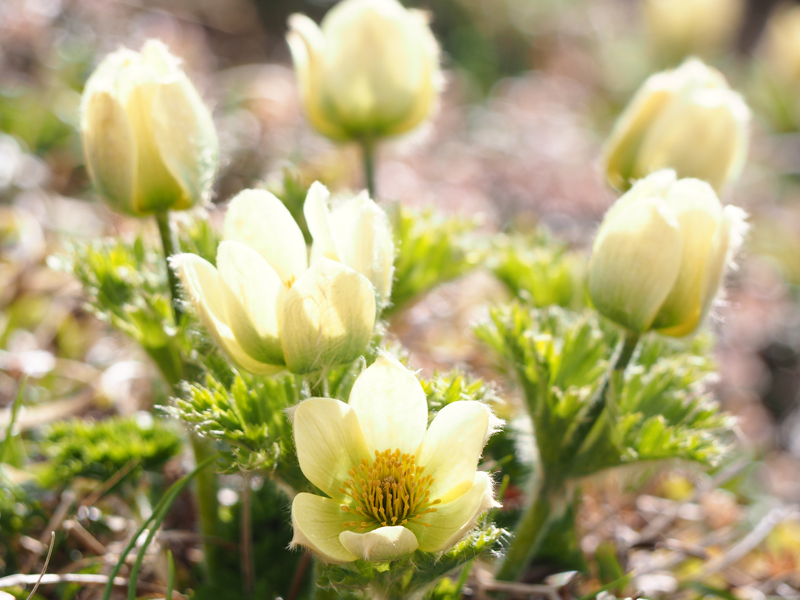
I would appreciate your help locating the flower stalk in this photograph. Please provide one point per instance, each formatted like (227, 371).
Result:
(368, 154)
(551, 498)
(169, 244)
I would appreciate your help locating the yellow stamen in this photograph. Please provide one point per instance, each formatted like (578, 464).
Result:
(290, 282)
(389, 491)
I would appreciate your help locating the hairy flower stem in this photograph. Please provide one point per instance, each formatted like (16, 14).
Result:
(169, 245)
(548, 504)
(246, 536)
(368, 153)
(205, 481)
(551, 499)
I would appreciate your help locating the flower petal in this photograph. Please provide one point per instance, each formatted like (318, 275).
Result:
(317, 523)
(258, 219)
(203, 285)
(307, 45)
(253, 296)
(329, 442)
(636, 258)
(186, 138)
(391, 406)
(384, 543)
(109, 146)
(453, 520)
(318, 216)
(698, 212)
(364, 241)
(328, 317)
(452, 446)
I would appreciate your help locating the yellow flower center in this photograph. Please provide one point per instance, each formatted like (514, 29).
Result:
(389, 491)
(290, 282)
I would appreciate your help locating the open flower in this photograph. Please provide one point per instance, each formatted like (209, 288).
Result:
(392, 487)
(148, 139)
(265, 306)
(686, 119)
(371, 70)
(661, 253)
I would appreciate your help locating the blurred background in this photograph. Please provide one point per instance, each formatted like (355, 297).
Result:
(533, 88)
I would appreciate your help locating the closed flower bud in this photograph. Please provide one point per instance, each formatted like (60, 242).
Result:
(661, 253)
(370, 71)
(148, 139)
(687, 119)
(270, 307)
(680, 28)
(782, 44)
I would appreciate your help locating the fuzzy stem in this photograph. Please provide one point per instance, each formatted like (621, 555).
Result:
(246, 541)
(550, 499)
(205, 481)
(368, 153)
(549, 504)
(169, 245)
(206, 496)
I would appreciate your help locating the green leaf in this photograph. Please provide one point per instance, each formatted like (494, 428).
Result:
(540, 271)
(430, 251)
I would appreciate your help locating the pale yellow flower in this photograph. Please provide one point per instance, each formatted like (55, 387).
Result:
(687, 119)
(148, 139)
(266, 306)
(371, 70)
(661, 253)
(680, 28)
(356, 233)
(782, 43)
(393, 485)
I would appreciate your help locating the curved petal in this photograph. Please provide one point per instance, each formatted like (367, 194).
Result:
(698, 212)
(258, 219)
(318, 216)
(203, 285)
(307, 46)
(329, 442)
(109, 147)
(186, 138)
(391, 406)
(453, 520)
(253, 296)
(317, 523)
(453, 445)
(364, 242)
(155, 187)
(636, 258)
(328, 317)
(384, 543)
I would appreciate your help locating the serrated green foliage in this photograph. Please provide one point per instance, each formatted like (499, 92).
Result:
(409, 577)
(127, 287)
(560, 359)
(249, 417)
(541, 271)
(430, 251)
(292, 191)
(198, 236)
(100, 449)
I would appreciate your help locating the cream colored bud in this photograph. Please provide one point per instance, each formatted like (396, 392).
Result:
(148, 139)
(782, 44)
(371, 70)
(687, 119)
(263, 304)
(356, 233)
(660, 254)
(681, 28)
